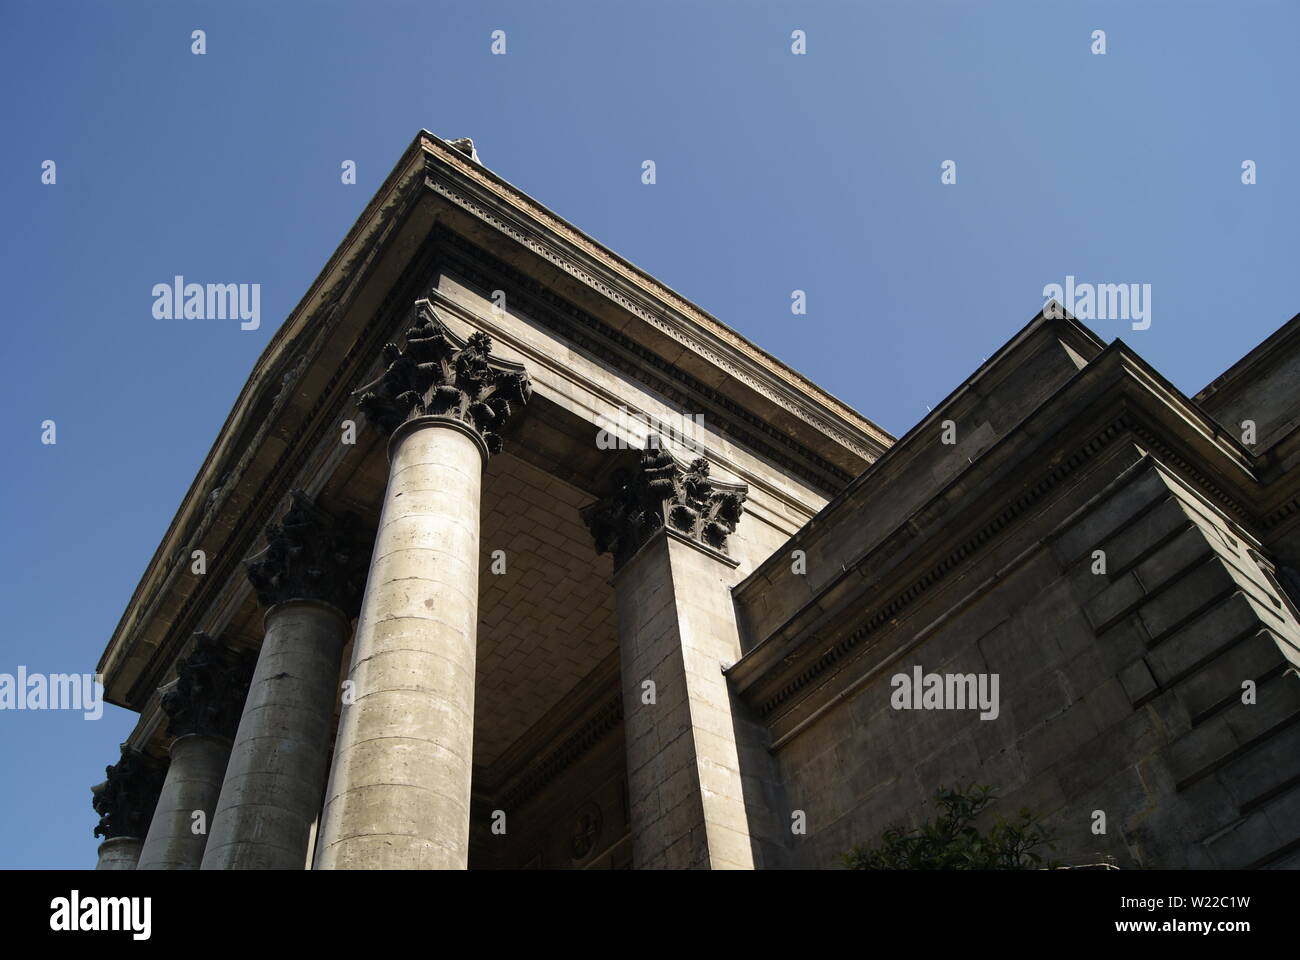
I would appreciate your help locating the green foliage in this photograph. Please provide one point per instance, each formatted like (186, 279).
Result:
(952, 842)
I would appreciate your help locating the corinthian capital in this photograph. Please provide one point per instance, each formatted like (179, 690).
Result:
(436, 374)
(126, 800)
(208, 694)
(659, 492)
(310, 555)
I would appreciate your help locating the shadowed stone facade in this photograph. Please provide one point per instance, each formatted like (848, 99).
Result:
(484, 640)
(126, 801)
(203, 705)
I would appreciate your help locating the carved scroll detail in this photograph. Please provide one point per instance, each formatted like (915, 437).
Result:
(657, 492)
(311, 555)
(436, 375)
(208, 694)
(125, 801)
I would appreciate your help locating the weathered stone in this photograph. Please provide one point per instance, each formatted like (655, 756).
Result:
(311, 555)
(186, 805)
(207, 697)
(399, 788)
(659, 492)
(125, 801)
(272, 790)
(437, 375)
(119, 853)
(492, 636)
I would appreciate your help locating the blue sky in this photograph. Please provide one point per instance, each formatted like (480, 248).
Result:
(775, 172)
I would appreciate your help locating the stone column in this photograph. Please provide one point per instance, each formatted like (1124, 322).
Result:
(119, 853)
(125, 803)
(203, 705)
(310, 577)
(399, 790)
(667, 526)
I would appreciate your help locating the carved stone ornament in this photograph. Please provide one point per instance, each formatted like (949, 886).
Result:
(125, 801)
(208, 694)
(657, 492)
(436, 374)
(311, 555)
(585, 832)
(466, 146)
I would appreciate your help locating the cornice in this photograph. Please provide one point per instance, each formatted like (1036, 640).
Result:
(1065, 330)
(535, 360)
(1140, 402)
(330, 403)
(258, 413)
(744, 673)
(493, 200)
(1281, 343)
(568, 732)
(604, 721)
(637, 362)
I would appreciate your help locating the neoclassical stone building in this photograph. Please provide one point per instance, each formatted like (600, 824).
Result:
(435, 601)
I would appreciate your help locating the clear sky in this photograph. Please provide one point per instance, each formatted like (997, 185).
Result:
(775, 172)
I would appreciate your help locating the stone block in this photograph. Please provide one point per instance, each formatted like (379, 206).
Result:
(1123, 595)
(1144, 534)
(1185, 596)
(1201, 749)
(1138, 683)
(1220, 680)
(1109, 516)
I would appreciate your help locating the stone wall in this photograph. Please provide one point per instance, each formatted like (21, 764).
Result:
(578, 820)
(1119, 692)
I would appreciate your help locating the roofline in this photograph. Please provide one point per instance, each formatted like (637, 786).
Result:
(410, 170)
(1259, 354)
(247, 393)
(1066, 320)
(660, 289)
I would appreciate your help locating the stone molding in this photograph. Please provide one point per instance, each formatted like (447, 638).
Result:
(891, 610)
(479, 192)
(656, 493)
(214, 505)
(125, 801)
(1131, 403)
(310, 555)
(437, 374)
(639, 364)
(208, 694)
(255, 417)
(571, 749)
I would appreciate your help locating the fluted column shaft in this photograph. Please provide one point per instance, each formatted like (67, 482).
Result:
(399, 789)
(272, 789)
